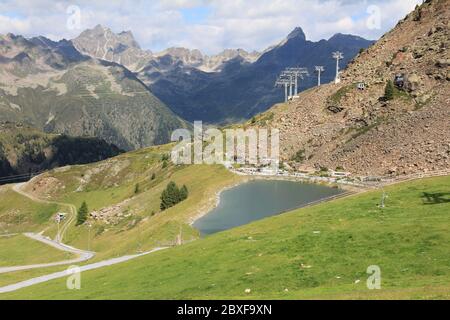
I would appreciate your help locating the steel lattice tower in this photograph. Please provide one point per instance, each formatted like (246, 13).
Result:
(338, 56)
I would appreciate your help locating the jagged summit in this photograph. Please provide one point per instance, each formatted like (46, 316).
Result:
(100, 42)
(297, 33)
(106, 36)
(122, 48)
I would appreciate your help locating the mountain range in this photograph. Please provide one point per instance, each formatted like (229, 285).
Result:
(53, 87)
(103, 84)
(231, 86)
(122, 48)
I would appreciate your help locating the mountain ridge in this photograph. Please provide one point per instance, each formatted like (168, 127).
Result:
(101, 42)
(231, 86)
(57, 89)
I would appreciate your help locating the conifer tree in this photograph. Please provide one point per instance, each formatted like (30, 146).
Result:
(173, 195)
(82, 214)
(389, 91)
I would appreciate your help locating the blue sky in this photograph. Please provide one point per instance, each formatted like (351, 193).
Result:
(208, 25)
(196, 15)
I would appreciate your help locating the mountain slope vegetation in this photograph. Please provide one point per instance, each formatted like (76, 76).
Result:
(18, 250)
(25, 151)
(123, 195)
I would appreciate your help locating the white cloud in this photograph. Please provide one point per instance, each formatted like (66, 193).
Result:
(250, 24)
(8, 24)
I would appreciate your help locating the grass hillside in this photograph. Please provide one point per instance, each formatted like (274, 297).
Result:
(123, 193)
(20, 214)
(19, 250)
(316, 252)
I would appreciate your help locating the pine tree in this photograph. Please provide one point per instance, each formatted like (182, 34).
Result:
(82, 215)
(172, 191)
(169, 197)
(389, 91)
(184, 193)
(172, 195)
(164, 201)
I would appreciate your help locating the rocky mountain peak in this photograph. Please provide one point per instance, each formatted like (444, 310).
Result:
(182, 53)
(102, 43)
(233, 53)
(105, 35)
(297, 33)
(12, 38)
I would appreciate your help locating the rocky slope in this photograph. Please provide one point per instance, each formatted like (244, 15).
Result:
(231, 86)
(25, 150)
(342, 127)
(53, 87)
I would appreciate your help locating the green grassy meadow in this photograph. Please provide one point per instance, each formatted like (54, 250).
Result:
(19, 250)
(20, 214)
(320, 252)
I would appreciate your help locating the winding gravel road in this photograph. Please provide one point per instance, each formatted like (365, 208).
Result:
(63, 274)
(82, 255)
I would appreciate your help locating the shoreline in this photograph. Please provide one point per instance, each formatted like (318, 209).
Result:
(342, 186)
(351, 190)
(214, 201)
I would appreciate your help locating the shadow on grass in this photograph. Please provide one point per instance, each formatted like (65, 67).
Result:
(436, 198)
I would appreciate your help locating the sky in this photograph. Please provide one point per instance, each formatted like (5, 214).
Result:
(208, 25)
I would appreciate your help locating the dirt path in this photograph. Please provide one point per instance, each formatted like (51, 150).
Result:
(73, 210)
